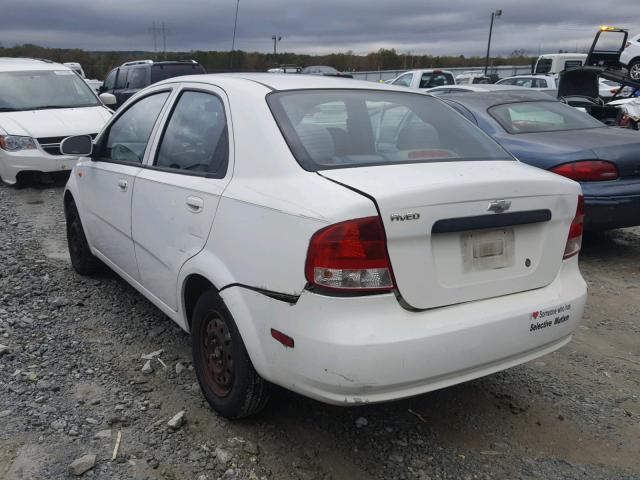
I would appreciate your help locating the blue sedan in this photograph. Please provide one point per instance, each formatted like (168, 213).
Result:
(548, 134)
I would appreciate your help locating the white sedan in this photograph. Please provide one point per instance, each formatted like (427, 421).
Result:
(348, 241)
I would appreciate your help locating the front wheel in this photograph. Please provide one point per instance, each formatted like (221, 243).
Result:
(225, 373)
(83, 261)
(634, 70)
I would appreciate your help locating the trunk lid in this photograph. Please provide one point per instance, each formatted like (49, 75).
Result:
(446, 247)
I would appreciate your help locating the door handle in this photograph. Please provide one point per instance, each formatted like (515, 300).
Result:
(195, 204)
(123, 184)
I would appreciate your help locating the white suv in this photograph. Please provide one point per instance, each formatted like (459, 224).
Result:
(630, 57)
(349, 241)
(41, 103)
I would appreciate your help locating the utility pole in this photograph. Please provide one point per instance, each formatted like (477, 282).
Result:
(276, 39)
(235, 24)
(233, 41)
(155, 41)
(164, 42)
(495, 14)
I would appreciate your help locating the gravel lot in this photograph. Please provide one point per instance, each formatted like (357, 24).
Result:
(71, 382)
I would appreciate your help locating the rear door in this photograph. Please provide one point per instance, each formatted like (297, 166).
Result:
(177, 195)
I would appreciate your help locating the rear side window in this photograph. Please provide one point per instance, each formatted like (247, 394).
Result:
(161, 72)
(196, 138)
(347, 128)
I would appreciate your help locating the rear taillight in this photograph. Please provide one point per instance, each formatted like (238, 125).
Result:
(624, 121)
(574, 241)
(350, 256)
(588, 171)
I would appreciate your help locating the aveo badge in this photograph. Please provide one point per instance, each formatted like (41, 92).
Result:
(396, 217)
(541, 319)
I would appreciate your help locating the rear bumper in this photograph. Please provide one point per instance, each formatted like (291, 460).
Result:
(609, 205)
(11, 164)
(369, 349)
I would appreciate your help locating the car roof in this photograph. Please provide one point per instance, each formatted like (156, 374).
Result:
(488, 99)
(12, 64)
(286, 81)
(530, 75)
(479, 87)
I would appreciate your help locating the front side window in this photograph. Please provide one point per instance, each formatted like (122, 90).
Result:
(404, 80)
(541, 116)
(347, 128)
(129, 133)
(40, 90)
(196, 138)
(110, 81)
(137, 78)
(121, 81)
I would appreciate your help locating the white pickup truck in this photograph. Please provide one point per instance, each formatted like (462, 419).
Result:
(423, 79)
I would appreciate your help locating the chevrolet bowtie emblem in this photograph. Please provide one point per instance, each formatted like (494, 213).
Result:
(499, 206)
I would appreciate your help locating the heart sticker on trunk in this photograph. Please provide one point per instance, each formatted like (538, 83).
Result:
(535, 315)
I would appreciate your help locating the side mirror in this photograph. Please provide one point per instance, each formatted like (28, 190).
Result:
(77, 146)
(109, 99)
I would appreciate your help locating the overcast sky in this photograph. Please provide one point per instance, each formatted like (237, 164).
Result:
(457, 27)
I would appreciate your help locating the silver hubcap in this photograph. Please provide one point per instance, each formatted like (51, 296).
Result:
(635, 72)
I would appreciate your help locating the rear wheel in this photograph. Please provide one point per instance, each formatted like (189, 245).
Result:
(83, 261)
(226, 375)
(634, 69)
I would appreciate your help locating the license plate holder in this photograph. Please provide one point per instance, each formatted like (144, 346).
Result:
(488, 249)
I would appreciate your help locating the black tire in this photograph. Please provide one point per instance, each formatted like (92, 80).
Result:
(83, 261)
(225, 373)
(634, 69)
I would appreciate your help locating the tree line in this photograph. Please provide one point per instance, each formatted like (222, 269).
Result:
(98, 64)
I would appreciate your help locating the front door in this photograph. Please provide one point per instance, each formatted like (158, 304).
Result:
(106, 183)
(176, 196)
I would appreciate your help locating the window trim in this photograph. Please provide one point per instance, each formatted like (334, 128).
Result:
(167, 120)
(105, 134)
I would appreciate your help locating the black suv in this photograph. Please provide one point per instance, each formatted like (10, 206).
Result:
(130, 77)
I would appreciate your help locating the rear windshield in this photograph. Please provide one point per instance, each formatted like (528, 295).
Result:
(527, 117)
(436, 79)
(346, 128)
(544, 65)
(162, 72)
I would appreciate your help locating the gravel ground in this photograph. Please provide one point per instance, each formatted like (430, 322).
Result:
(72, 383)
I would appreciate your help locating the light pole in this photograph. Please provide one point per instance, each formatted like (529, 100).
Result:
(235, 24)
(276, 39)
(495, 14)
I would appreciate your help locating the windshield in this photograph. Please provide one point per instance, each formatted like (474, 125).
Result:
(544, 65)
(37, 90)
(344, 128)
(527, 117)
